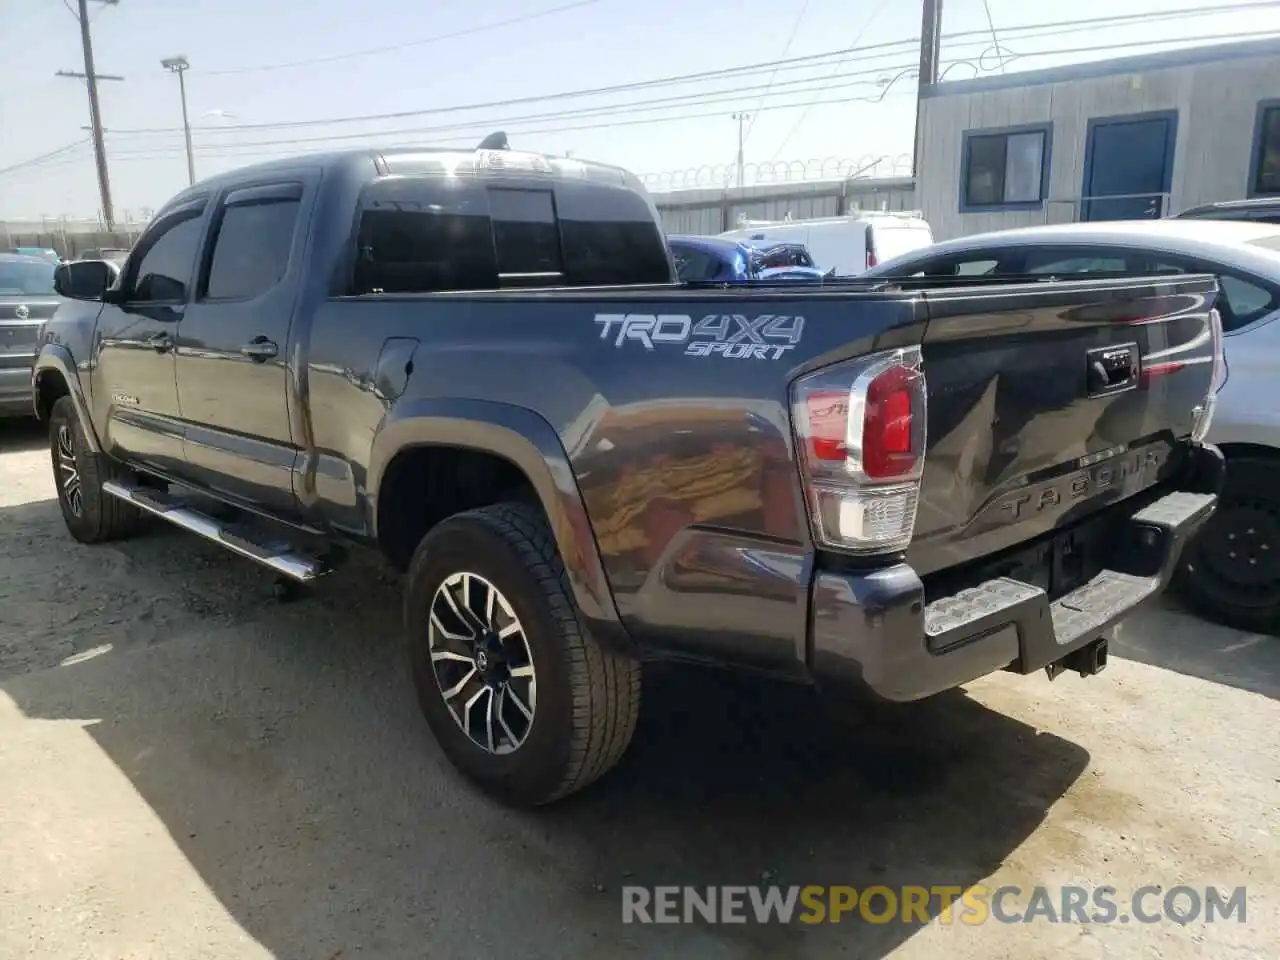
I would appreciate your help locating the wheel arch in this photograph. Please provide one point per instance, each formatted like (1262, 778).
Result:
(522, 448)
(54, 375)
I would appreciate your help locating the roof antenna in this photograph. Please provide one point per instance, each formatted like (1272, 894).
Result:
(495, 141)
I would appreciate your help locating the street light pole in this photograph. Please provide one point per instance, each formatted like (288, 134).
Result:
(179, 65)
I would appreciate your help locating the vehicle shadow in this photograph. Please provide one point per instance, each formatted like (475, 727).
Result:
(281, 747)
(22, 433)
(1167, 635)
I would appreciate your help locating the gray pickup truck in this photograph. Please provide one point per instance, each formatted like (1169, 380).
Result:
(479, 364)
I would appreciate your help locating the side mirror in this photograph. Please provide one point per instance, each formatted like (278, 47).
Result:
(84, 279)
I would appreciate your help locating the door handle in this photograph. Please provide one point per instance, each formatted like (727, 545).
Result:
(160, 342)
(260, 349)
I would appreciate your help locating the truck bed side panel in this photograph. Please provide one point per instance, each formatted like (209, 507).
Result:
(682, 452)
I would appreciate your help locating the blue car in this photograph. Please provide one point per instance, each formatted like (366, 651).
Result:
(714, 260)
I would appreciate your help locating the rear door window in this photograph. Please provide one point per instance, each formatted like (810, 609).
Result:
(252, 243)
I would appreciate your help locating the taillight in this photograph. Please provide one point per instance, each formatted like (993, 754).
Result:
(860, 429)
(1204, 416)
(871, 258)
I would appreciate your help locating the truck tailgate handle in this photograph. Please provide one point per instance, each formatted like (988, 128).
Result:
(259, 349)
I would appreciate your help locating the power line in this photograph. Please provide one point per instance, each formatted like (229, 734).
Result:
(373, 51)
(803, 86)
(521, 101)
(995, 40)
(37, 161)
(795, 127)
(786, 48)
(817, 60)
(234, 150)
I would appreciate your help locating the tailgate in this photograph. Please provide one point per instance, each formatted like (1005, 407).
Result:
(1049, 401)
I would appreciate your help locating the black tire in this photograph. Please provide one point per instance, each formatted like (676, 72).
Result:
(91, 515)
(1230, 573)
(587, 696)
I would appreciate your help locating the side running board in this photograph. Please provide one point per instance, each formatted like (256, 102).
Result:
(277, 555)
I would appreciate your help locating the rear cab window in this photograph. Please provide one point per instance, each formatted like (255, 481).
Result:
(427, 235)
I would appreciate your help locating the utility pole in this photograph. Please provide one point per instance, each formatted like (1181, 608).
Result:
(179, 65)
(742, 118)
(91, 78)
(930, 54)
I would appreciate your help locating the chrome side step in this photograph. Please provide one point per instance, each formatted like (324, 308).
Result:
(277, 555)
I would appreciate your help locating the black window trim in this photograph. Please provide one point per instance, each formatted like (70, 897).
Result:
(1046, 156)
(286, 191)
(193, 209)
(1265, 107)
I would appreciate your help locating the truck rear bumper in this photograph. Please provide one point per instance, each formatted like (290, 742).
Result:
(876, 631)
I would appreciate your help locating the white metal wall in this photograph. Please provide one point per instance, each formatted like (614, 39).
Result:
(1217, 107)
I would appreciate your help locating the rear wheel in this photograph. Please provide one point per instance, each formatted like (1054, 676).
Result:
(1231, 572)
(522, 699)
(91, 514)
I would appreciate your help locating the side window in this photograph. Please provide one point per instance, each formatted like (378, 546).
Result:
(251, 249)
(423, 237)
(1245, 301)
(1074, 261)
(976, 268)
(1266, 176)
(695, 265)
(610, 236)
(165, 269)
(1004, 168)
(1241, 301)
(525, 237)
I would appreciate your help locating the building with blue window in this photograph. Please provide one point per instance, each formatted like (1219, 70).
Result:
(1140, 136)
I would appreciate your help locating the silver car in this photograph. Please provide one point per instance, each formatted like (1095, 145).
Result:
(27, 300)
(1232, 572)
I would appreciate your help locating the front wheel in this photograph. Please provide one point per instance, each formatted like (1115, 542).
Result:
(91, 514)
(522, 699)
(1230, 573)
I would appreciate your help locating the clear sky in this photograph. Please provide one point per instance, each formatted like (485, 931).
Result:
(314, 47)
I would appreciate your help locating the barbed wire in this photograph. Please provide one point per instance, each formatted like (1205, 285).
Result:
(724, 175)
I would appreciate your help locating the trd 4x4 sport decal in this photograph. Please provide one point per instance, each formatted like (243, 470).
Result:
(732, 335)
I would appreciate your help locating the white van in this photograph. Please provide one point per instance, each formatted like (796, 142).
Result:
(849, 244)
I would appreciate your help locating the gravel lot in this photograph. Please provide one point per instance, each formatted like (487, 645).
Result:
(190, 769)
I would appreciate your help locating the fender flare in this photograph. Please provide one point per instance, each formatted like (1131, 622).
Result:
(55, 358)
(524, 438)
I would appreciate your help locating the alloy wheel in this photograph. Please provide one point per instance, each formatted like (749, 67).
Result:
(69, 471)
(482, 662)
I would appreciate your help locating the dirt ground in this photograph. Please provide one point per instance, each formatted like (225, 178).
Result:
(190, 769)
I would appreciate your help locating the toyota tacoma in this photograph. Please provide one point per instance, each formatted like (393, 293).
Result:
(480, 364)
